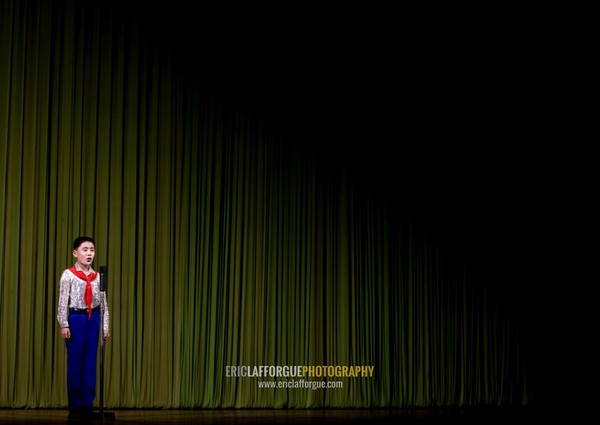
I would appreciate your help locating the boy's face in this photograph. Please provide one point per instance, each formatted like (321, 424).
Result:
(85, 253)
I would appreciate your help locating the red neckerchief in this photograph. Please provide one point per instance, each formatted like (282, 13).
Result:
(88, 287)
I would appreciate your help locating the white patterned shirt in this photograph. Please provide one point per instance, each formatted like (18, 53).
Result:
(72, 290)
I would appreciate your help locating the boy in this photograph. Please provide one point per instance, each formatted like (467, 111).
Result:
(79, 318)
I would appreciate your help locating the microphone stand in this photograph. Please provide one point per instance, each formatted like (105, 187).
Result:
(103, 285)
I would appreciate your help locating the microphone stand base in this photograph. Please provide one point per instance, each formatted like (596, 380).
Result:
(107, 416)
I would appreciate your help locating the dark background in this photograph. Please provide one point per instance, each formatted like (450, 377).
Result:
(448, 116)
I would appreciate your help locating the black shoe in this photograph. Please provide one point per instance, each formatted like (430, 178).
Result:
(94, 415)
(78, 415)
(83, 414)
(74, 415)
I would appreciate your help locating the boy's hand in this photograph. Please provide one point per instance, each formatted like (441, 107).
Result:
(66, 333)
(106, 335)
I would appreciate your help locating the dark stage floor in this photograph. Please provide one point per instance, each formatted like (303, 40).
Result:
(318, 416)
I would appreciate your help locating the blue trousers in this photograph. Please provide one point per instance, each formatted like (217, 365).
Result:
(82, 350)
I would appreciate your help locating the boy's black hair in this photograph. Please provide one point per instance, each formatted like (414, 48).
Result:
(81, 239)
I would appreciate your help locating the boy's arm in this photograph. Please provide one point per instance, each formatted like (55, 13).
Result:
(106, 313)
(63, 301)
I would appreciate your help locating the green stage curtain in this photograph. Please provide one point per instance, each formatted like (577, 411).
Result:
(225, 244)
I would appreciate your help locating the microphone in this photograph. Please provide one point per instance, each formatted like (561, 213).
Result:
(103, 278)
